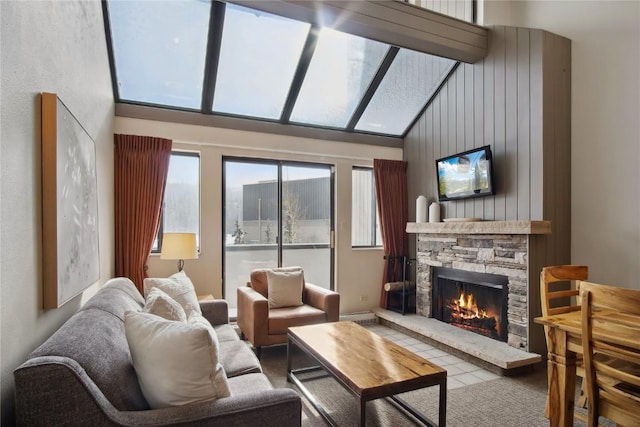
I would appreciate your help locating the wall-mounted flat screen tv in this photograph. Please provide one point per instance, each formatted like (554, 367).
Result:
(464, 175)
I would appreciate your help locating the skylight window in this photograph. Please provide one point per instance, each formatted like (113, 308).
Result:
(340, 72)
(411, 80)
(159, 51)
(258, 59)
(262, 66)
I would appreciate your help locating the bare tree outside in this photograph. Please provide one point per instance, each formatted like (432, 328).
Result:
(268, 233)
(238, 233)
(292, 213)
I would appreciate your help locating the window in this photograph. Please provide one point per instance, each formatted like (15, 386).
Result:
(159, 51)
(276, 213)
(219, 58)
(181, 205)
(330, 94)
(273, 46)
(365, 224)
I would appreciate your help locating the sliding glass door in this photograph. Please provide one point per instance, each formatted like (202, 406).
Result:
(276, 214)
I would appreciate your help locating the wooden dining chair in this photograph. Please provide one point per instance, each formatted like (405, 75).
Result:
(559, 296)
(613, 388)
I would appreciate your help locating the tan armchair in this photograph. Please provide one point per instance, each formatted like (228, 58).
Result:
(263, 326)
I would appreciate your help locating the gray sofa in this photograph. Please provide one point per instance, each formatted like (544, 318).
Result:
(83, 375)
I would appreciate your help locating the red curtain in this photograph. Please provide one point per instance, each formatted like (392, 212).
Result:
(141, 164)
(391, 194)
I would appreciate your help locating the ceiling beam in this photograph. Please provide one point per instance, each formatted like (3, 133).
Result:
(148, 112)
(389, 21)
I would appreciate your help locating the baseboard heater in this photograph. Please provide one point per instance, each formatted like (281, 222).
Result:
(360, 317)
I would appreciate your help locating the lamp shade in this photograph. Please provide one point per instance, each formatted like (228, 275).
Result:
(179, 246)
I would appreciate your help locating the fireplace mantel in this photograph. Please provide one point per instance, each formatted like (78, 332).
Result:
(480, 227)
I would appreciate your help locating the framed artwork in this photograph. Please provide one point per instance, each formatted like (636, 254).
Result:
(71, 261)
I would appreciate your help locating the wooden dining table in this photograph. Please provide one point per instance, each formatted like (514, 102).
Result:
(564, 338)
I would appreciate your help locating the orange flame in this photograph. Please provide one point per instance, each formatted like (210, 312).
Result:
(471, 310)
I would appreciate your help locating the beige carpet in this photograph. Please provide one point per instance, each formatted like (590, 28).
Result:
(504, 402)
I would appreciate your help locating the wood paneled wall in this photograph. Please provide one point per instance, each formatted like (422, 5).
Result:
(518, 101)
(461, 9)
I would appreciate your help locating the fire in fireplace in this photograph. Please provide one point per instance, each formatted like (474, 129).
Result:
(473, 301)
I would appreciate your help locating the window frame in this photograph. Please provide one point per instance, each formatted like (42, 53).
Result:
(160, 233)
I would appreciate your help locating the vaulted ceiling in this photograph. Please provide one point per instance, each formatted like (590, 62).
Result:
(225, 59)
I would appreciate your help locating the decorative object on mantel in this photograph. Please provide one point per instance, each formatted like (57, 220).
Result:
(461, 220)
(421, 209)
(434, 212)
(69, 205)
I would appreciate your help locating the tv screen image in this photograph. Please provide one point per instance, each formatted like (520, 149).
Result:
(465, 175)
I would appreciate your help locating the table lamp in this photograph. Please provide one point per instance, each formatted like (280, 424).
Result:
(179, 246)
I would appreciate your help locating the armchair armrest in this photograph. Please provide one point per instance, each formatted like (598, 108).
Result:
(253, 315)
(323, 299)
(215, 311)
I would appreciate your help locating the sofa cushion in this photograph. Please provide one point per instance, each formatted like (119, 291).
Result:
(282, 318)
(249, 383)
(259, 280)
(284, 288)
(238, 359)
(176, 362)
(161, 304)
(179, 287)
(226, 332)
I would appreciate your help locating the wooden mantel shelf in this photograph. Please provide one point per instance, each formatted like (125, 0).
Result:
(480, 227)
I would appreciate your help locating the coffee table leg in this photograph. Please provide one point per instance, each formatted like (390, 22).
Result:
(363, 407)
(442, 411)
(288, 359)
(442, 406)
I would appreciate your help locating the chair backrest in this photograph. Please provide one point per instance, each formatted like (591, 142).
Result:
(611, 360)
(550, 293)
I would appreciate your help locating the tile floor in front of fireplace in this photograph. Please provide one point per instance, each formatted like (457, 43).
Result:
(459, 372)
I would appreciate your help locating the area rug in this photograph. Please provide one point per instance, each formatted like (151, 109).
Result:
(503, 402)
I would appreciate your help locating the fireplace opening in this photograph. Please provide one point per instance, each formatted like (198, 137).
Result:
(473, 301)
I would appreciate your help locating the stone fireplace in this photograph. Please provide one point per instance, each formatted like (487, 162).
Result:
(472, 249)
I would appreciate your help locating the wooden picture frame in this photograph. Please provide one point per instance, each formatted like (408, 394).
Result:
(70, 250)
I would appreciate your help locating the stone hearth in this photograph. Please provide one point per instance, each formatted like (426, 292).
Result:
(497, 247)
(498, 357)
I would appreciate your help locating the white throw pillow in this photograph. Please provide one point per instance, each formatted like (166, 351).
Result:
(176, 362)
(179, 287)
(198, 319)
(285, 288)
(161, 304)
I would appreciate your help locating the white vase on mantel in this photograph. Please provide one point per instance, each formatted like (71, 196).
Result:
(434, 212)
(421, 209)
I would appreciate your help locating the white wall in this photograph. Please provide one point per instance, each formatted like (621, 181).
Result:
(42, 52)
(358, 271)
(605, 141)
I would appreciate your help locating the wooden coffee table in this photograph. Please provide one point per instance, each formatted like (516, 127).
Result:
(366, 364)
